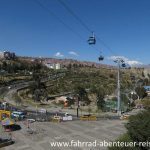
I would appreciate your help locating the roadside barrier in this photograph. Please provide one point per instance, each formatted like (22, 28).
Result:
(56, 119)
(88, 118)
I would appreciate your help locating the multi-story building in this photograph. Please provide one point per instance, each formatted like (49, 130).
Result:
(7, 55)
(1, 55)
(53, 65)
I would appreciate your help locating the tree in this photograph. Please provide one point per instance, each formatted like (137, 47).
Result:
(133, 96)
(145, 82)
(141, 92)
(137, 131)
(82, 94)
(38, 88)
(146, 103)
(138, 128)
(69, 66)
(17, 99)
(100, 94)
(4, 65)
(143, 74)
(125, 138)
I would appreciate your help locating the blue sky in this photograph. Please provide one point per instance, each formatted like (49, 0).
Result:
(30, 29)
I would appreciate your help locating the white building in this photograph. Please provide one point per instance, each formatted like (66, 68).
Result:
(1, 55)
(53, 66)
(57, 66)
(7, 55)
(49, 65)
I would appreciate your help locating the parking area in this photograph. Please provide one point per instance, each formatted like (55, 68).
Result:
(84, 131)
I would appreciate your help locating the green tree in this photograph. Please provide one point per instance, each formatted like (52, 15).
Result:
(138, 128)
(146, 103)
(100, 94)
(141, 92)
(4, 65)
(82, 94)
(17, 99)
(146, 82)
(137, 131)
(124, 138)
(38, 88)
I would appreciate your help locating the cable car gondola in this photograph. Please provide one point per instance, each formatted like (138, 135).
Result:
(123, 65)
(92, 39)
(101, 58)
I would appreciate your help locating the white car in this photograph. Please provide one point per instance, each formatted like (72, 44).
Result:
(31, 120)
(18, 114)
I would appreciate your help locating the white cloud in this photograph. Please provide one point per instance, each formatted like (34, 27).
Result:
(58, 54)
(130, 62)
(134, 63)
(73, 53)
(115, 57)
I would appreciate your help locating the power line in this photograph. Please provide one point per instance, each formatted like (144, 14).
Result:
(83, 24)
(58, 18)
(70, 28)
(108, 47)
(74, 15)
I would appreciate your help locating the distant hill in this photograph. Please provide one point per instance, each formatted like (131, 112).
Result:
(147, 67)
(67, 62)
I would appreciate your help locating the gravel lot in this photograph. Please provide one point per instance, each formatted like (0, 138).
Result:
(83, 131)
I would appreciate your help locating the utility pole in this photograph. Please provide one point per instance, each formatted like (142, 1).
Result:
(118, 91)
(77, 103)
(120, 62)
(77, 106)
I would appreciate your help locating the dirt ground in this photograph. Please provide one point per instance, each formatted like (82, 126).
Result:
(43, 133)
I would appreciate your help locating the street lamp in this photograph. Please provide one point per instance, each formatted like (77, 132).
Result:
(120, 63)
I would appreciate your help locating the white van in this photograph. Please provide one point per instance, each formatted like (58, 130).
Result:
(18, 114)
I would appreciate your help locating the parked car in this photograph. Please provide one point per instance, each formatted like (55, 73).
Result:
(31, 120)
(18, 114)
(44, 111)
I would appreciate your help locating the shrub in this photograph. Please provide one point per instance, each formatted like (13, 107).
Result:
(139, 128)
(126, 139)
(138, 132)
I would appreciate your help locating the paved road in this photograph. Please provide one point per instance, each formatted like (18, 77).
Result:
(47, 132)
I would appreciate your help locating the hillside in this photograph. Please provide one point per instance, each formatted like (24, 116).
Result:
(67, 62)
(89, 80)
